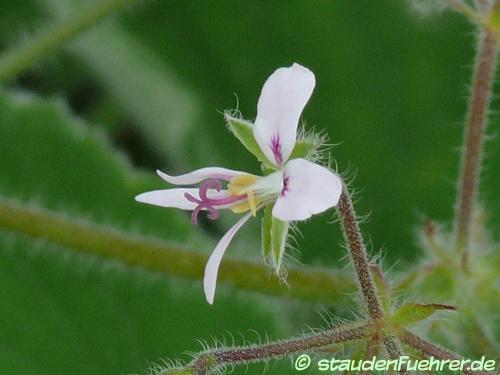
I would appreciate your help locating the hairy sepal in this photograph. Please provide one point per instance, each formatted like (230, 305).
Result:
(274, 236)
(243, 131)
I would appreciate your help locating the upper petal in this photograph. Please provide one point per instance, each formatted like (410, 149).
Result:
(175, 198)
(212, 267)
(283, 97)
(199, 175)
(308, 189)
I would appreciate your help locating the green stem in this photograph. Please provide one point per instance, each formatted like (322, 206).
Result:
(315, 285)
(482, 81)
(23, 55)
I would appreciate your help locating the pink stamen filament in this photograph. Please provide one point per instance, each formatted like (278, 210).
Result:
(210, 204)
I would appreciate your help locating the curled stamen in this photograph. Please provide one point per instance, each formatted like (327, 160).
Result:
(210, 204)
(213, 213)
(209, 184)
(194, 214)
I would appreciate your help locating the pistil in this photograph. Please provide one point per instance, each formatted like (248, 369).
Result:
(210, 204)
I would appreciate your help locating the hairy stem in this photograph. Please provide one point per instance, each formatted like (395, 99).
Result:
(315, 285)
(26, 53)
(393, 348)
(431, 349)
(477, 117)
(209, 361)
(359, 257)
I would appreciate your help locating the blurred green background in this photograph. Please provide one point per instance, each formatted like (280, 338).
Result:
(83, 130)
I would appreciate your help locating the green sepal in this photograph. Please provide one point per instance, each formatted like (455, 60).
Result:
(266, 224)
(266, 171)
(303, 148)
(383, 287)
(410, 313)
(175, 371)
(274, 235)
(243, 130)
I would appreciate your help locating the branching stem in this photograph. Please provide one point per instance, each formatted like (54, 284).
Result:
(359, 257)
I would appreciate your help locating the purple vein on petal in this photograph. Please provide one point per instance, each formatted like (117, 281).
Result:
(276, 148)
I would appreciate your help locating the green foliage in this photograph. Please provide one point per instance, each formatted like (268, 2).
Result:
(279, 236)
(411, 313)
(167, 92)
(441, 277)
(306, 146)
(149, 82)
(266, 223)
(51, 158)
(303, 148)
(177, 372)
(79, 313)
(274, 239)
(243, 130)
(428, 7)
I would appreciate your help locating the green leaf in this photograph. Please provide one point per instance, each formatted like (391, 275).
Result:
(410, 313)
(64, 311)
(50, 157)
(243, 130)
(274, 236)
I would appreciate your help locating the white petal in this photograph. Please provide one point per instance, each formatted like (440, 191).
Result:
(212, 267)
(281, 102)
(199, 175)
(175, 197)
(309, 189)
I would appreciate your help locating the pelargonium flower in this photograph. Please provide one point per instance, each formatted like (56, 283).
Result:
(291, 189)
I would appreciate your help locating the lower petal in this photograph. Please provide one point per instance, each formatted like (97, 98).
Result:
(176, 198)
(309, 189)
(212, 267)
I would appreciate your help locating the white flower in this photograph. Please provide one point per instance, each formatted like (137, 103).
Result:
(295, 188)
